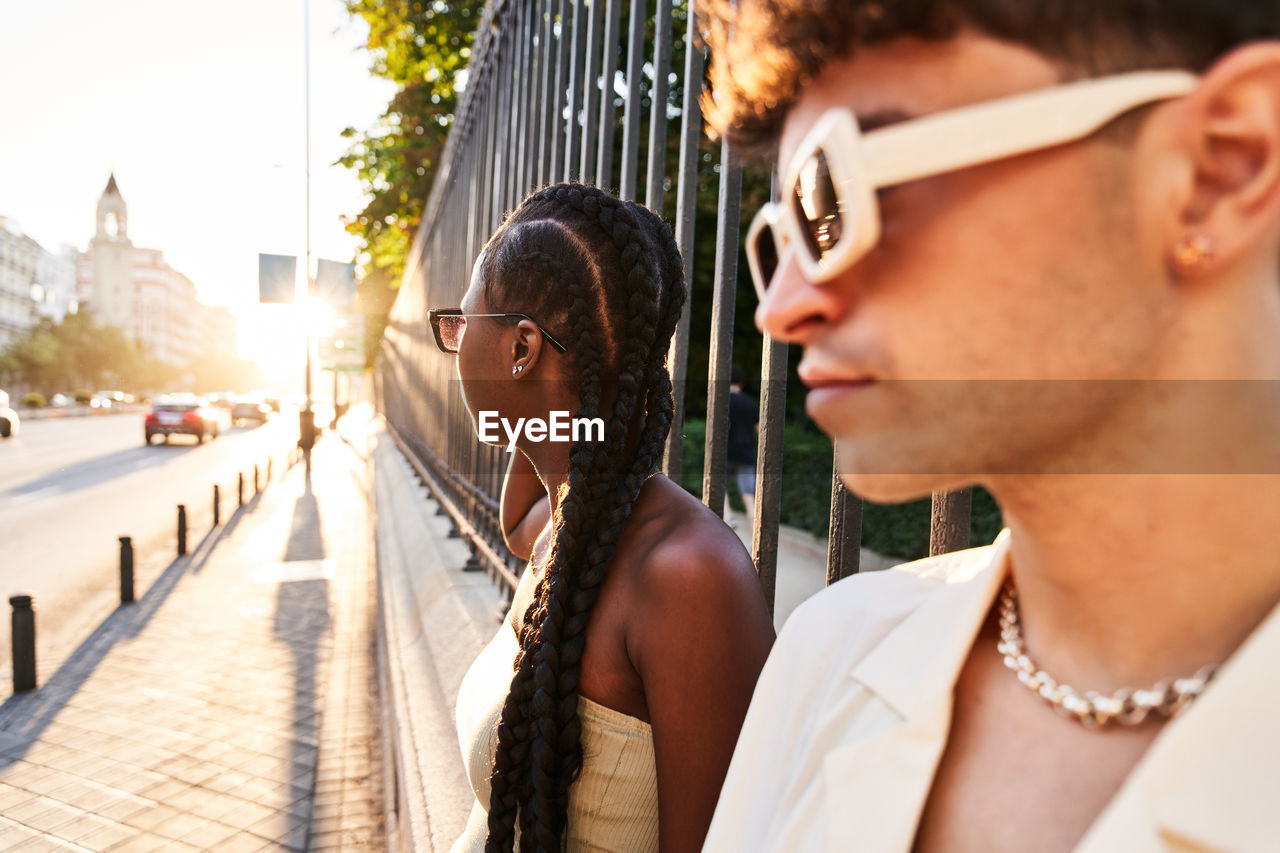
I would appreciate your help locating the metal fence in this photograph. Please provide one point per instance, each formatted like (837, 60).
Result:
(544, 102)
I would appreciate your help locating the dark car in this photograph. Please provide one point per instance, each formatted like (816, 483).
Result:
(250, 409)
(182, 414)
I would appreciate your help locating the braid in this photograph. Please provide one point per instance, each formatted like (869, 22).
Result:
(539, 751)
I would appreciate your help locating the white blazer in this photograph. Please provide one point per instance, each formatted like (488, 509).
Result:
(853, 709)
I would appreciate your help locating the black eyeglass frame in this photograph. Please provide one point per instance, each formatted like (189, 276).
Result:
(434, 315)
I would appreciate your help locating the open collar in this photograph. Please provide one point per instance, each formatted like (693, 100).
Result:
(916, 665)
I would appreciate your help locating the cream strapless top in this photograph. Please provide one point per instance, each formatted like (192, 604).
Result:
(613, 805)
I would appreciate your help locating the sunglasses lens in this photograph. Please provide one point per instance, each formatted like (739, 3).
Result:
(451, 329)
(816, 206)
(766, 252)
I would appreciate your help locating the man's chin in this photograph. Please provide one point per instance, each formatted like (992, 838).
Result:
(889, 488)
(875, 477)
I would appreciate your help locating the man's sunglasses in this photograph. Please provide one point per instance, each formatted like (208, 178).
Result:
(449, 324)
(827, 211)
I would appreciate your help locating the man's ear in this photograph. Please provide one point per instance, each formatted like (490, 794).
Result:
(526, 348)
(1231, 204)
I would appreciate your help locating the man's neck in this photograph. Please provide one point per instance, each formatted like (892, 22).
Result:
(1128, 579)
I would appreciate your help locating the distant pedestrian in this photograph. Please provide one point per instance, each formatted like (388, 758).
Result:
(744, 426)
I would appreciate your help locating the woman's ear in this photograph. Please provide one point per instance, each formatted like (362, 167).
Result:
(526, 347)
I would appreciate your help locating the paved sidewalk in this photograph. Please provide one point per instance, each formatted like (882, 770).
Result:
(233, 708)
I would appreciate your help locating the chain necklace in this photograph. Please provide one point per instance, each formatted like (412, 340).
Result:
(1127, 706)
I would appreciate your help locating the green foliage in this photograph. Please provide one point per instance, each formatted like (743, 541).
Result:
(421, 47)
(895, 530)
(78, 352)
(83, 396)
(32, 400)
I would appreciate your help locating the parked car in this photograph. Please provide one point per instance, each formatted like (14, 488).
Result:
(182, 414)
(251, 409)
(8, 417)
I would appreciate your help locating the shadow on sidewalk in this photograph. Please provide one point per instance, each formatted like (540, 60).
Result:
(301, 619)
(25, 716)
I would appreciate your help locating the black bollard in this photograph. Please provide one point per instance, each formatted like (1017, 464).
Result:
(256, 487)
(182, 530)
(217, 506)
(240, 489)
(268, 469)
(24, 643)
(126, 570)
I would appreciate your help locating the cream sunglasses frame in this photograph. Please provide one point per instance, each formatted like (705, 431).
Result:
(934, 144)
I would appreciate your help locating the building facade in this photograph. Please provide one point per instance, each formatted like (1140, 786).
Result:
(135, 289)
(19, 260)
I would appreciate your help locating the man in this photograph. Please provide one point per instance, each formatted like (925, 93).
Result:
(1002, 279)
(744, 426)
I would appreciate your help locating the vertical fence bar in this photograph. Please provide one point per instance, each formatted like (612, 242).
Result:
(608, 112)
(557, 96)
(845, 543)
(949, 521)
(722, 305)
(525, 14)
(764, 527)
(657, 159)
(545, 101)
(514, 75)
(577, 51)
(591, 93)
(686, 207)
(631, 112)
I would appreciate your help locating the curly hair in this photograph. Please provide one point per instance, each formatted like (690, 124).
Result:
(763, 52)
(607, 274)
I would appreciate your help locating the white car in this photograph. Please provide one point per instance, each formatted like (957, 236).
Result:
(8, 417)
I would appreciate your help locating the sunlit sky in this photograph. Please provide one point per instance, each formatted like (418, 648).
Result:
(198, 108)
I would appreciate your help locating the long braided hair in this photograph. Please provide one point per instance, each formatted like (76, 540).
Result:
(607, 274)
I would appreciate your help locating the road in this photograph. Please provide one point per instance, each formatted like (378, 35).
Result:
(69, 488)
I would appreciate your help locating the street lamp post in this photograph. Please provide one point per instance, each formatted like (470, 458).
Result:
(307, 418)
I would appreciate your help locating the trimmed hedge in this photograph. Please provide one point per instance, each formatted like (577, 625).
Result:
(895, 530)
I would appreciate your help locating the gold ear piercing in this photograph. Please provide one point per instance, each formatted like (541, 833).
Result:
(1192, 250)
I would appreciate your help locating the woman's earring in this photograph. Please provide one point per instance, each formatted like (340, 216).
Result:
(1192, 250)
(516, 369)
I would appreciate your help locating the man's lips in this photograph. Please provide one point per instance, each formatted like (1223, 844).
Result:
(830, 390)
(821, 384)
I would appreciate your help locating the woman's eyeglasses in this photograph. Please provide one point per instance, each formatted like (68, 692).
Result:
(828, 210)
(449, 325)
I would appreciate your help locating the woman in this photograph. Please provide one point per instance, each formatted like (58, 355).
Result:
(604, 713)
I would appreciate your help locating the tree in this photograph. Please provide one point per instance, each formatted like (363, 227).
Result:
(421, 47)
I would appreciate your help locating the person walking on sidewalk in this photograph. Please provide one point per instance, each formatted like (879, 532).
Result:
(1059, 223)
(639, 628)
(744, 426)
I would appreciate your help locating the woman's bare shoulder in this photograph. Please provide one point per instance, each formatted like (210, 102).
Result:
(683, 548)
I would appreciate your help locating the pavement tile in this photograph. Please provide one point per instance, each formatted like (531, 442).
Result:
(242, 842)
(41, 844)
(209, 835)
(246, 815)
(81, 827)
(140, 843)
(52, 818)
(12, 835)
